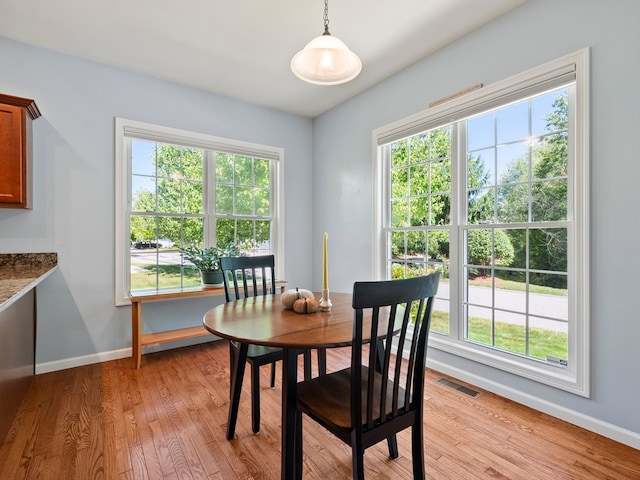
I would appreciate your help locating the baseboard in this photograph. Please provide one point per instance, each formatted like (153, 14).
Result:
(56, 365)
(592, 424)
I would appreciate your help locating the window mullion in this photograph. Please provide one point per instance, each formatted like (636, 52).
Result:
(209, 193)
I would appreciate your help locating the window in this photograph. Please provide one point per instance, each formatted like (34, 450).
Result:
(491, 190)
(176, 188)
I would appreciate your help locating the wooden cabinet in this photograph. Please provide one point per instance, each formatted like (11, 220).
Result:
(16, 115)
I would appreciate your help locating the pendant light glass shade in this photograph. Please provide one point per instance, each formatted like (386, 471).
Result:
(326, 60)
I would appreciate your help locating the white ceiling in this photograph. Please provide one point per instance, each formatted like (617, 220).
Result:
(242, 48)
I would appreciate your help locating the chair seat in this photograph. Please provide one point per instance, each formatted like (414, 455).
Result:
(328, 398)
(273, 353)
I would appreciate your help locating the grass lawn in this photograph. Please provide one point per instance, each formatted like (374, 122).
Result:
(509, 337)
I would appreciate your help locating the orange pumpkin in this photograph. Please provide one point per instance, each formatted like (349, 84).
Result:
(305, 305)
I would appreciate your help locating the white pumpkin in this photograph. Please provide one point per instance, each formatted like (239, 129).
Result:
(290, 296)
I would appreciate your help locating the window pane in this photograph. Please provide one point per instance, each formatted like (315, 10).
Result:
(512, 122)
(548, 250)
(263, 235)
(244, 234)
(419, 179)
(225, 231)
(143, 157)
(417, 245)
(440, 176)
(440, 210)
(192, 197)
(513, 203)
(399, 153)
(262, 196)
(143, 194)
(243, 171)
(513, 162)
(440, 315)
(244, 201)
(399, 182)
(518, 238)
(169, 232)
(169, 196)
(480, 131)
(261, 173)
(418, 148)
(541, 109)
(224, 168)
(548, 339)
(192, 231)
(549, 200)
(480, 168)
(508, 298)
(399, 213)
(438, 245)
(224, 200)
(479, 325)
(397, 245)
(192, 164)
(481, 206)
(419, 211)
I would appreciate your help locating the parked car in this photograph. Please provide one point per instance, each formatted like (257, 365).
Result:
(146, 245)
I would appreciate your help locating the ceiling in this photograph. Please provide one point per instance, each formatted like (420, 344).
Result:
(242, 48)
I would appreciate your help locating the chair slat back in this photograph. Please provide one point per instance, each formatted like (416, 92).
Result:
(251, 276)
(394, 388)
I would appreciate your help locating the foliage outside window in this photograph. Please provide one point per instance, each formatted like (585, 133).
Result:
(186, 189)
(495, 202)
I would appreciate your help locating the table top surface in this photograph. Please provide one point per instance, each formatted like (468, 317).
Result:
(263, 320)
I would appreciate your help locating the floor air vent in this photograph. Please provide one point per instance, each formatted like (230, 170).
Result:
(456, 386)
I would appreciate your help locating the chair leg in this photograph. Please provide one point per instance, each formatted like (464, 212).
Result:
(357, 457)
(417, 450)
(255, 398)
(273, 375)
(392, 442)
(322, 361)
(298, 446)
(307, 364)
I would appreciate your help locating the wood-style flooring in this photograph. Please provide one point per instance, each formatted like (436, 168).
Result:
(168, 419)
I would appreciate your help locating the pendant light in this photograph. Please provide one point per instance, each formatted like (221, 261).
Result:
(326, 60)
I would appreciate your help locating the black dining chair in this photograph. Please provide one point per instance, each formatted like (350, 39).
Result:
(382, 393)
(246, 277)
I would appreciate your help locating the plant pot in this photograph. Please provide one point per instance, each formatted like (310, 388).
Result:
(212, 279)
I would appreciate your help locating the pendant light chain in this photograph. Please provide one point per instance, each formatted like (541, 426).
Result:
(326, 17)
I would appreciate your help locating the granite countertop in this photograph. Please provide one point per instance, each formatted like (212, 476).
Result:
(20, 272)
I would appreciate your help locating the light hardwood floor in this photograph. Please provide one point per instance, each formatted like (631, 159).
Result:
(167, 421)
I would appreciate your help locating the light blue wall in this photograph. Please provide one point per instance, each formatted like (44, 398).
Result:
(73, 174)
(537, 32)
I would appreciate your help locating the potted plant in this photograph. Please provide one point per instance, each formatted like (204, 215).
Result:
(207, 260)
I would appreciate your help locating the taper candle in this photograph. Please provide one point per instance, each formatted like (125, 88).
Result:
(325, 273)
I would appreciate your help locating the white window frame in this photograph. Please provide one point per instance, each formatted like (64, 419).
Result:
(127, 129)
(573, 67)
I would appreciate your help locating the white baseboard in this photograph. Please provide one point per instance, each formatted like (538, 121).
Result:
(595, 425)
(114, 355)
(80, 361)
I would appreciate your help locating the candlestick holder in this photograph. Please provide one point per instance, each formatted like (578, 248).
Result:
(325, 301)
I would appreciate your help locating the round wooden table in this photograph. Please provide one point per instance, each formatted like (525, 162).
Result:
(263, 320)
